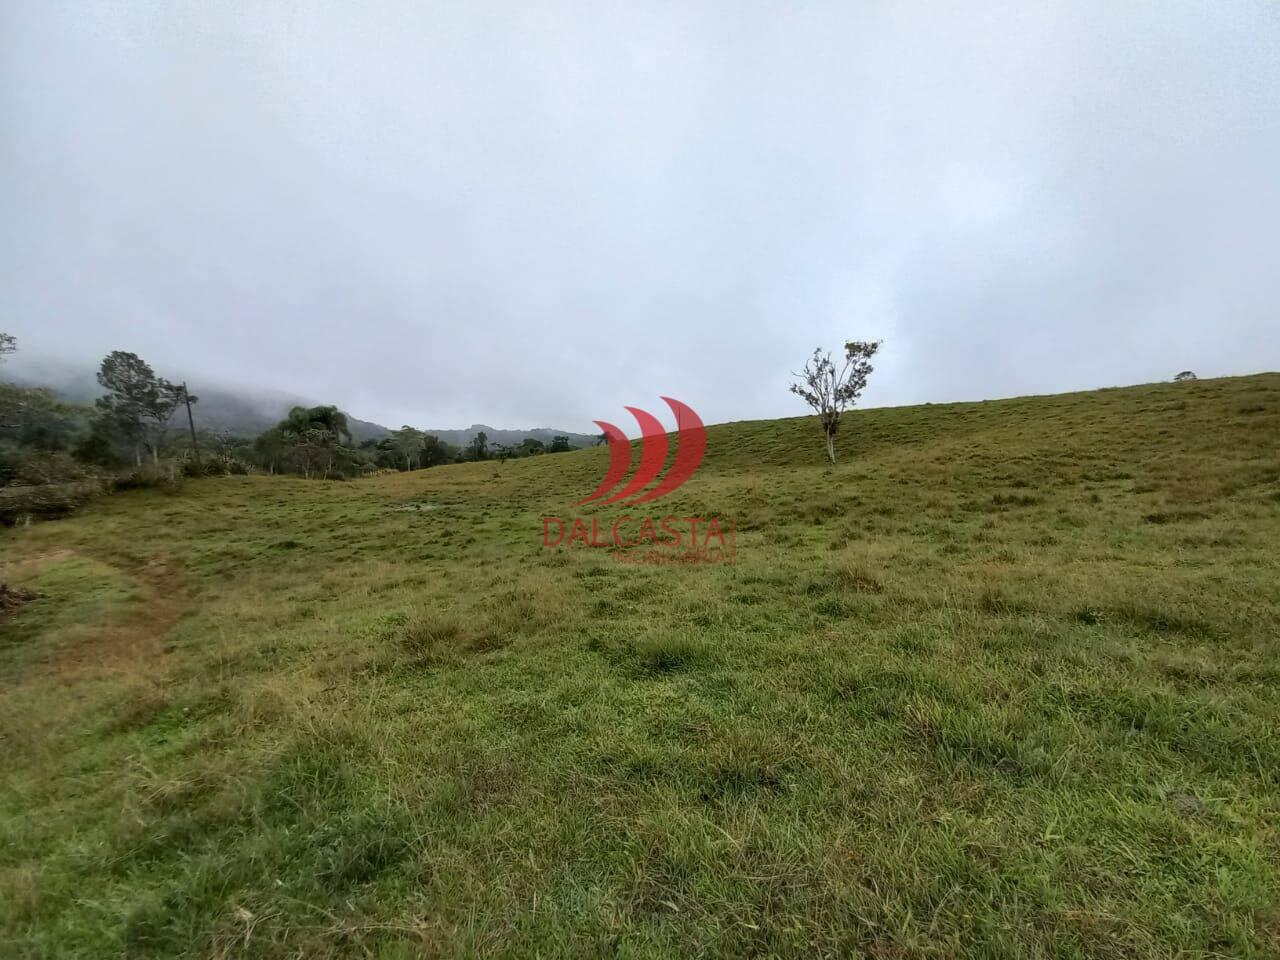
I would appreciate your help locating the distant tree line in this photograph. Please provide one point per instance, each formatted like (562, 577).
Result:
(135, 434)
(43, 440)
(316, 442)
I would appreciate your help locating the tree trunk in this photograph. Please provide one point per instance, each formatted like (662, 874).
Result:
(137, 454)
(831, 447)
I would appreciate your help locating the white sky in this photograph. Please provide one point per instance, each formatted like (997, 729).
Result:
(535, 213)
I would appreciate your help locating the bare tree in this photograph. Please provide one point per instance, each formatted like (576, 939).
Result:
(831, 391)
(8, 344)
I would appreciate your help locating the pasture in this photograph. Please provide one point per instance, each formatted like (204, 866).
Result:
(1003, 682)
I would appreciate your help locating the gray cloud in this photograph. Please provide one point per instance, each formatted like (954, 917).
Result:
(537, 213)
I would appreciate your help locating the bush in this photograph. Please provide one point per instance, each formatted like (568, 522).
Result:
(27, 467)
(218, 465)
(146, 477)
(23, 504)
(52, 468)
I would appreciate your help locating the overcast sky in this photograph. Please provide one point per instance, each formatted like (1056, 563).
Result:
(534, 213)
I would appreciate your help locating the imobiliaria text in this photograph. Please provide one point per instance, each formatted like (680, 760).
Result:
(635, 538)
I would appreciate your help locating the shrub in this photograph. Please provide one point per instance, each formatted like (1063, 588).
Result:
(24, 504)
(217, 465)
(145, 477)
(26, 467)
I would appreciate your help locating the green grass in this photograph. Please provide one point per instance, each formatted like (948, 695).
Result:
(1002, 683)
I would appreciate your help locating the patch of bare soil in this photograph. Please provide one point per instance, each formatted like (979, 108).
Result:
(126, 641)
(132, 639)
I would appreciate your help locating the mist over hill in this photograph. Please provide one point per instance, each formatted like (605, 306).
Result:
(246, 412)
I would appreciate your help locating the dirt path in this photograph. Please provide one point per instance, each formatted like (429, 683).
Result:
(128, 637)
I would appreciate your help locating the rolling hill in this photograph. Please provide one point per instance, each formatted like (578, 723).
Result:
(1003, 682)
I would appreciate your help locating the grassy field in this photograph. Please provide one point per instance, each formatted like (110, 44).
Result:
(1005, 682)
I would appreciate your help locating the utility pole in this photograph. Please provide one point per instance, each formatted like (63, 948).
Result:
(195, 446)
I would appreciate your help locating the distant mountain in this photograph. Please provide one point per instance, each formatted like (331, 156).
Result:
(246, 413)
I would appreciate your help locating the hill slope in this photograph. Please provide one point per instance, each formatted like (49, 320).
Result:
(1002, 683)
